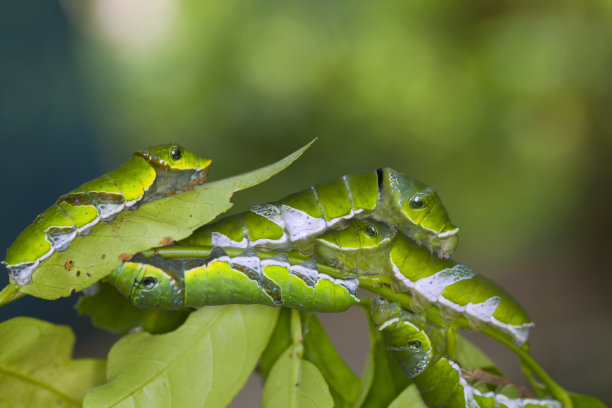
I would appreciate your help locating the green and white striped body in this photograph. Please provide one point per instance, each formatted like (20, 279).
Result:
(370, 247)
(456, 392)
(149, 175)
(420, 350)
(296, 220)
(219, 279)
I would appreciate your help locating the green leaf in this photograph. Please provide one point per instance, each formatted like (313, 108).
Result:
(410, 397)
(400, 379)
(586, 401)
(112, 311)
(203, 363)
(342, 381)
(36, 369)
(279, 341)
(295, 383)
(378, 387)
(154, 224)
(471, 357)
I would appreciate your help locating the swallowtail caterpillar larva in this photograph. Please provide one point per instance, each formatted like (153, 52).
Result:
(420, 350)
(293, 222)
(371, 247)
(149, 175)
(220, 279)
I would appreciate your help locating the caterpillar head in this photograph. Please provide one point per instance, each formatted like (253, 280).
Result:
(414, 344)
(175, 157)
(357, 248)
(418, 211)
(148, 284)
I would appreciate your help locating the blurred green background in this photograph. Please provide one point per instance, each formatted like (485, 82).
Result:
(504, 107)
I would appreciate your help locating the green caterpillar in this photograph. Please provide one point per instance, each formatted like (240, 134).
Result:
(296, 220)
(371, 247)
(219, 279)
(149, 175)
(420, 350)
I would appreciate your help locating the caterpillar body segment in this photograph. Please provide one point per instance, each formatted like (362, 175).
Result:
(150, 174)
(294, 222)
(220, 279)
(371, 247)
(420, 350)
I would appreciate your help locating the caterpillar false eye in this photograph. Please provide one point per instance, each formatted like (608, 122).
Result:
(415, 345)
(417, 202)
(176, 154)
(149, 282)
(371, 231)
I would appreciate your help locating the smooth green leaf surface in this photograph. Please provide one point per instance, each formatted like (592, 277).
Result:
(586, 401)
(154, 224)
(36, 369)
(342, 381)
(295, 383)
(203, 363)
(471, 357)
(378, 387)
(410, 397)
(112, 311)
(279, 341)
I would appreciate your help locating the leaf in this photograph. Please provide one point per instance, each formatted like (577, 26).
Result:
(36, 369)
(471, 357)
(410, 397)
(377, 384)
(154, 224)
(112, 311)
(586, 401)
(295, 383)
(399, 378)
(203, 363)
(342, 381)
(279, 341)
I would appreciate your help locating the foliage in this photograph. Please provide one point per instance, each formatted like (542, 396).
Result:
(36, 369)
(194, 358)
(154, 224)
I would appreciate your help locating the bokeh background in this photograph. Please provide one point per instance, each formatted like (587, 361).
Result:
(504, 107)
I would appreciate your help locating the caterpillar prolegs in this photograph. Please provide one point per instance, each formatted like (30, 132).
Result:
(219, 279)
(294, 222)
(371, 247)
(420, 350)
(149, 175)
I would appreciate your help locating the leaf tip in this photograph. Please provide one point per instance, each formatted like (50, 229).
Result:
(9, 293)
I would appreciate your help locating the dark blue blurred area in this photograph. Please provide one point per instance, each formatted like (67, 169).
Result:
(45, 127)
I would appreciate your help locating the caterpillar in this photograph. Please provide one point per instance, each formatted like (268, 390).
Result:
(149, 175)
(293, 222)
(371, 247)
(175, 283)
(420, 350)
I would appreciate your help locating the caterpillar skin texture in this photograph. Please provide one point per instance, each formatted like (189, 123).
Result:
(219, 279)
(149, 175)
(371, 247)
(296, 220)
(420, 349)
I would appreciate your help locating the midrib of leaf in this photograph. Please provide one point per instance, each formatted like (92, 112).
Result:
(295, 376)
(178, 355)
(40, 384)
